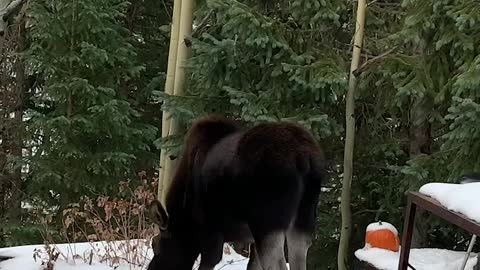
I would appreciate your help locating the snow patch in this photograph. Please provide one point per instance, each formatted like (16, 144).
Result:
(22, 257)
(421, 259)
(461, 198)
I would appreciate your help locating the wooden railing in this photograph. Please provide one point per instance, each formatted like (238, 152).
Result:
(416, 199)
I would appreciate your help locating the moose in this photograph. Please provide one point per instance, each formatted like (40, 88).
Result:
(258, 185)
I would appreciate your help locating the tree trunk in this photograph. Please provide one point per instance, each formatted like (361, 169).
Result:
(3, 191)
(169, 86)
(420, 143)
(183, 51)
(346, 229)
(12, 90)
(420, 129)
(4, 140)
(6, 7)
(18, 132)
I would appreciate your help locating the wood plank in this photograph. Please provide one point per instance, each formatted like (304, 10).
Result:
(407, 234)
(436, 208)
(417, 199)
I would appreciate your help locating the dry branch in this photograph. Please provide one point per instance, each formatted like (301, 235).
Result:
(357, 72)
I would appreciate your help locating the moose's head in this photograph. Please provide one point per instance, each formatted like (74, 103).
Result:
(174, 248)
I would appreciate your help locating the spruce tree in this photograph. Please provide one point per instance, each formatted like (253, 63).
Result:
(429, 78)
(87, 135)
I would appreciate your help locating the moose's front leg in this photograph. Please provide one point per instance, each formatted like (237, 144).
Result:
(211, 250)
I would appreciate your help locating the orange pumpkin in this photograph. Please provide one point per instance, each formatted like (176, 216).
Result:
(382, 235)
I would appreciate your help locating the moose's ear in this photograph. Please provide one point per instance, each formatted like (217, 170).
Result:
(158, 214)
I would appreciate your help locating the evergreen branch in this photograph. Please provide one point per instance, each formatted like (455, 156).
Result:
(376, 211)
(166, 10)
(380, 9)
(379, 166)
(376, 3)
(202, 23)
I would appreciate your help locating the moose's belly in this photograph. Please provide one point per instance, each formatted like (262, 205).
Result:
(238, 232)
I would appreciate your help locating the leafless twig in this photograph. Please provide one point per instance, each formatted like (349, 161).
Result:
(369, 62)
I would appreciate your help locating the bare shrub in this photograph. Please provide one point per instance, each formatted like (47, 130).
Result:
(116, 227)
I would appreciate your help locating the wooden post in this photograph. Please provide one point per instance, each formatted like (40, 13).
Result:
(407, 234)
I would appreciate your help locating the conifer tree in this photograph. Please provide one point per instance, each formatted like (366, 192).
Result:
(429, 77)
(87, 135)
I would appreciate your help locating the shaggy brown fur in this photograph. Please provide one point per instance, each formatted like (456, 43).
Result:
(256, 185)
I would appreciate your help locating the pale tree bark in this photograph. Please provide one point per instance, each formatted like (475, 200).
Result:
(346, 229)
(186, 24)
(169, 88)
(6, 7)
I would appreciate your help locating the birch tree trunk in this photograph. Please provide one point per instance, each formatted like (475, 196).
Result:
(346, 229)
(169, 88)
(183, 52)
(6, 7)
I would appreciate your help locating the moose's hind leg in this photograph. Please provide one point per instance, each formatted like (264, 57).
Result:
(211, 251)
(298, 243)
(269, 249)
(275, 199)
(253, 262)
(300, 232)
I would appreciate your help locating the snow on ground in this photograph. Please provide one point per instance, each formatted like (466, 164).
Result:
(77, 257)
(421, 259)
(461, 198)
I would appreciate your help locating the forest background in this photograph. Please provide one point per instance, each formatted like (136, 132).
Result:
(81, 99)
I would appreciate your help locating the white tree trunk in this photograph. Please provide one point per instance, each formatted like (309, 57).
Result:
(346, 229)
(169, 89)
(183, 52)
(6, 6)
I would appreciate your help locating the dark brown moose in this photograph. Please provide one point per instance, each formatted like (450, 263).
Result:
(257, 185)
